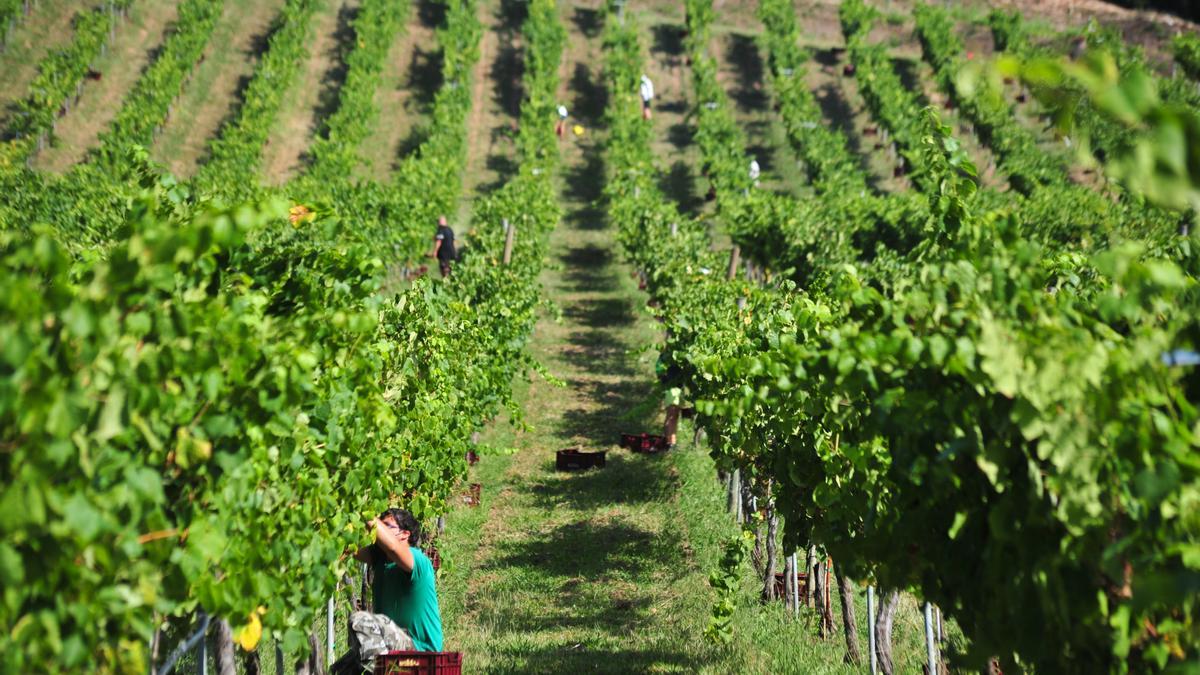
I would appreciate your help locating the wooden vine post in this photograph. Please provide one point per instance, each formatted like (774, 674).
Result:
(793, 575)
(225, 652)
(510, 233)
(735, 480)
(883, 632)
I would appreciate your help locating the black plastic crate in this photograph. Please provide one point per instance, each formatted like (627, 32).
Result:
(572, 459)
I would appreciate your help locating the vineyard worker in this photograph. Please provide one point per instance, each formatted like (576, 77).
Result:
(443, 247)
(560, 127)
(670, 378)
(404, 592)
(647, 90)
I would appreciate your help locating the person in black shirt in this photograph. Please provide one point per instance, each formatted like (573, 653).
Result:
(443, 246)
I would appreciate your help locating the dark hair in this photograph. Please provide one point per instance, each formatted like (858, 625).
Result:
(405, 521)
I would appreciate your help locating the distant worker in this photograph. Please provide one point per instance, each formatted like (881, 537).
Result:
(1079, 47)
(755, 172)
(443, 247)
(560, 127)
(647, 91)
(407, 617)
(671, 381)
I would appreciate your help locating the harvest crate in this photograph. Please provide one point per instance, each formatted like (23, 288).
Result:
(572, 459)
(801, 584)
(419, 663)
(644, 442)
(474, 495)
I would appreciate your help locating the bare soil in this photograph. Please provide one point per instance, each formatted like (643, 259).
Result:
(1148, 29)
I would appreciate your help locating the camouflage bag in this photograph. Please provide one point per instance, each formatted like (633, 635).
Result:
(375, 634)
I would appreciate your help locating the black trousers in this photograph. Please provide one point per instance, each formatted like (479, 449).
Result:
(348, 665)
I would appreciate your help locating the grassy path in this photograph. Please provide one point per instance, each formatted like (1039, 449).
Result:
(607, 570)
(135, 44)
(584, 571)
(410, 80)
(665, 67)
(46, 27)
(741, 70)
(496, 95)
(313, 94)
(213, 95)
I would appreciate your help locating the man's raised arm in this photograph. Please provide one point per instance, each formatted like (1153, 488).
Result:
(394, 546)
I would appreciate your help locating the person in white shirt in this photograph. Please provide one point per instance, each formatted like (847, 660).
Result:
(560, 127)
(647, 91)
(755, 172)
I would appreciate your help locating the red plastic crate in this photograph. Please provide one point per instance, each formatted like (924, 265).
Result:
(572, 459)
(419, 663)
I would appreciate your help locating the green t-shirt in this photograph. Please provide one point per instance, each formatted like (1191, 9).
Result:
(410, 599)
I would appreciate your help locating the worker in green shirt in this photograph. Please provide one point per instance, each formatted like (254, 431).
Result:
(404, 593)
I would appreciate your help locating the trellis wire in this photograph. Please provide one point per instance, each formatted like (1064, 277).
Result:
(186, 645)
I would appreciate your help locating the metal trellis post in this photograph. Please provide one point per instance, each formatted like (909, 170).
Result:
(795, 584)
(874, 659)
(930, 646)
(203, 653)
(329, 643)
